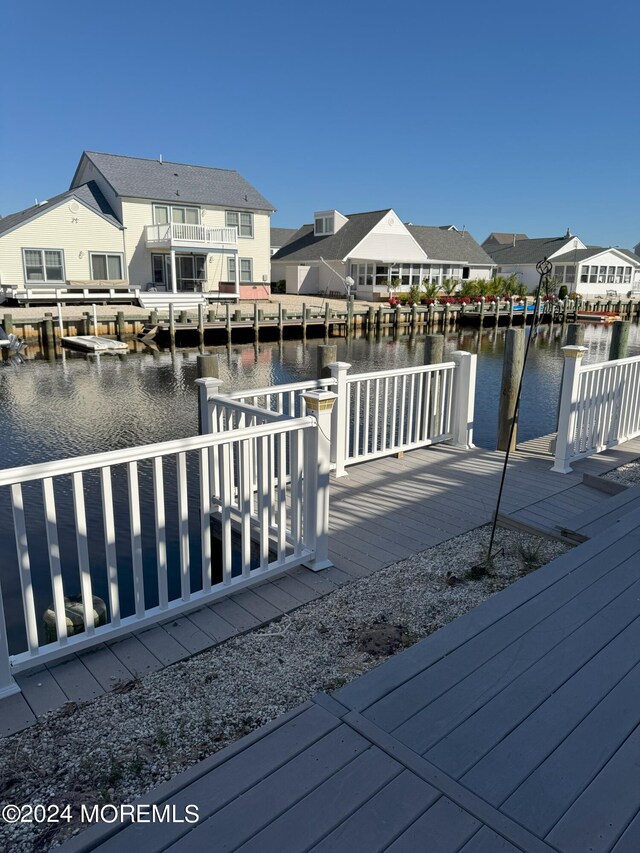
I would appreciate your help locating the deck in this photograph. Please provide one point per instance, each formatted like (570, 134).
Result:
(513, 728)
(383, 511)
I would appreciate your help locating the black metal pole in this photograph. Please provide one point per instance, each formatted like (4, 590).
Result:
(543, 268)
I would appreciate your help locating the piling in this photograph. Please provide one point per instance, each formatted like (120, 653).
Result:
(304, 320)
(510, 312)
(371, 318)
(619, 340)
(326, 354)
(432, 315)
(207, 367)
(184, 318)
(414, 318)
(211, 315)
(172, 324)
(256, 322)
(48, 330)
(153, 317)
(350, 315)
(380, 317)
(201, 323)
(237, 315)
(482, 307)
(434, 349)
(327, 319)
(227, 322)
(511, 373)
(7, 323)
(575, 335)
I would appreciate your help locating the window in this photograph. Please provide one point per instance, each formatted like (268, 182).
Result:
(242, 221)
(627, 275)
(106, 267)
(163, 214)
(559, 274)
(246, 270)
(231, 268)
(43, 264)
(593, 275)
(611, 275)
(324, 225)
(570, 277)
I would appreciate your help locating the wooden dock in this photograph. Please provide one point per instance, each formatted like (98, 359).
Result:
(383, 511)
(513, 728)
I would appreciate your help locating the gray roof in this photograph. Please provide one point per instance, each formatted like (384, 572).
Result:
(281, 236)
(503, 238)
(136, 177)
(579, 255)
(305, 246)
(88, 193)
(528, 251)
(442, 244)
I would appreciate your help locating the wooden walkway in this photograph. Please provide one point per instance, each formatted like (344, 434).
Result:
(514, 728)
(383, 511)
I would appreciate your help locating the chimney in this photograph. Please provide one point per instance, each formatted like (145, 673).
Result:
(160, 159)
(514, 240)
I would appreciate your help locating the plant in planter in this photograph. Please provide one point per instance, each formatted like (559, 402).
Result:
(449, 286)
(430, 288)
(414, 294)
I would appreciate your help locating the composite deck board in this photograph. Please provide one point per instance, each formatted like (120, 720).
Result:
(520, 751)
(444, 828)
(257, 605)
(106, 668)
(296, 588)
(488, 841)
(236, 615)
(188, 634)
(75, 680)
(41, 691)
(135, 656)
(280, 599)
(212, 624)
(161, 644)
(15, 714)
(379, 821)
(598, 518)
(577, 672)
(333, 801)
(518, 639)
(247, 814)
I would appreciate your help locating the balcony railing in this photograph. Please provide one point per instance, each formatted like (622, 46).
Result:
(178, 235)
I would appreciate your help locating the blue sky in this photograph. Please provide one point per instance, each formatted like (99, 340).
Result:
(494, 116)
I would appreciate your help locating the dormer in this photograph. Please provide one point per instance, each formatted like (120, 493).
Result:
(327, 222)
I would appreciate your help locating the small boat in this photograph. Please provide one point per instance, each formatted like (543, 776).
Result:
(12, 343)
(94, 343)
(598, 316)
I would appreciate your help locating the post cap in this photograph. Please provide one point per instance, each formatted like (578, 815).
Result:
(319, 401)
(574, 351)
(341, 365)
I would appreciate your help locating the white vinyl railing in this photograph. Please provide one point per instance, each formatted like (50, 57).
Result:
(395, 410)
(283, 399)
(599, 406)
(152, 506)
(180, 233)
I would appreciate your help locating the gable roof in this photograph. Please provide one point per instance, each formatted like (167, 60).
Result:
(443, 244)
(579, 255)
(503, 238)
(88, 194)
(137, 177)
(528, 251)
(305, 246)
(281, 236)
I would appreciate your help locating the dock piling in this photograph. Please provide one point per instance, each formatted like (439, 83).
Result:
(619, 340)
(511, 373)
(326, 354)
(172, 324)
(434, 349)
(575, 335)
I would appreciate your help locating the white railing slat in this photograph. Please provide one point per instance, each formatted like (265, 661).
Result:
(183, 526)
(24, 566)
(205, 518)
(161, 533)
(82, 541)
(136, 537)
(109, 529)
(55, 566)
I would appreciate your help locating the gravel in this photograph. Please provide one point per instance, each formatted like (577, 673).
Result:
(120, 745)
(628, 475)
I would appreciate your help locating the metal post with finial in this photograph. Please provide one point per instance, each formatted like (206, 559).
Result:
(543, 268)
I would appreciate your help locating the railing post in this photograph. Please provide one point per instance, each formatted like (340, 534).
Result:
(208, 388)
(7, 684)
(463, 398)
(339, 426)
(567, 415)
(316, 488)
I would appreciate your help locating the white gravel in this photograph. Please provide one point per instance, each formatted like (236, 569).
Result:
(117, 747)
(628, 475)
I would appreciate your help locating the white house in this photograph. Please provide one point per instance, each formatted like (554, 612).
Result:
(374, 248)
(144, 224)
(587, 270)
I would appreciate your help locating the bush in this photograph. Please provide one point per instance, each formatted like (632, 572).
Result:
(562, 293)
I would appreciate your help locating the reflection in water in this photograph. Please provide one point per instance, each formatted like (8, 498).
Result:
(73, 404)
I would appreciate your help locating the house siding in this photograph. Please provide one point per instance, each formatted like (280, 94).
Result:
(59, 228)
(138, 213)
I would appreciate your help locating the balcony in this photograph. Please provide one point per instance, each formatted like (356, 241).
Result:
(178, 235)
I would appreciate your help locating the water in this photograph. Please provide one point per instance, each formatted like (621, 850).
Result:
(82, 404)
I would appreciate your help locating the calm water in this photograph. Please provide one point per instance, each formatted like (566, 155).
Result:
(81, 404)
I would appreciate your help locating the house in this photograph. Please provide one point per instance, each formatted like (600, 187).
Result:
(498, 238)
(374, 248)
(280, 237)
(145, 225)
(587, 270)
